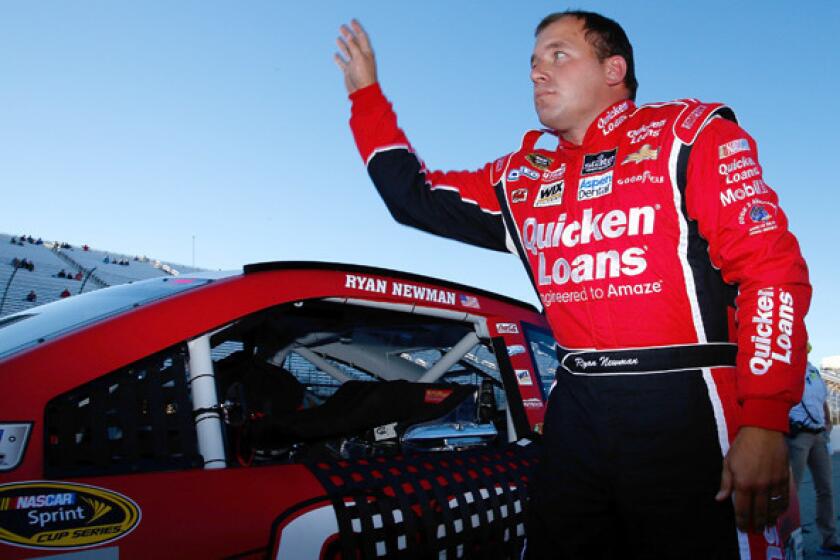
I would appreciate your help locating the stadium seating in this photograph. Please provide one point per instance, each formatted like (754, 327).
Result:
(111, 272)
(48, 261)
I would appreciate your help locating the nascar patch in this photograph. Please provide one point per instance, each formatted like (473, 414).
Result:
(733, 147)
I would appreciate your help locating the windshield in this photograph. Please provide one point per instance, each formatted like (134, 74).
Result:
(23, 330)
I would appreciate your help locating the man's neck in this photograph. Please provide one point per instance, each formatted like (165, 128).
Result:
(576, 135)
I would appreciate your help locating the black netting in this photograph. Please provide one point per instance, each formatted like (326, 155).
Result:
(462, 504)
(136, 419)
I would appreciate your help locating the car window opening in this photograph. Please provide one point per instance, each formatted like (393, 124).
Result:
(289, 384)
(328, 380)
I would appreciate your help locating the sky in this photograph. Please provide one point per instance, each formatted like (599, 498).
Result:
(135, 127)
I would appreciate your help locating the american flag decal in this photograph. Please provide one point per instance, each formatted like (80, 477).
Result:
(469, 301)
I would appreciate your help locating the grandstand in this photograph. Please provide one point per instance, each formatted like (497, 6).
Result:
(94, 269)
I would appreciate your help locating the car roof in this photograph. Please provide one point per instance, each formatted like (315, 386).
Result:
(364, 269)
(27, 329)
(24, 329)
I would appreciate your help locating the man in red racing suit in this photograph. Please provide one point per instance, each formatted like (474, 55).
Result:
(658, 252)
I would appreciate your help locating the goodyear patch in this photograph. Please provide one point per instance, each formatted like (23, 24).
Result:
(61, 515)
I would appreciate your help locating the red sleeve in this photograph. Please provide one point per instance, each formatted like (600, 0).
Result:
(739, 216)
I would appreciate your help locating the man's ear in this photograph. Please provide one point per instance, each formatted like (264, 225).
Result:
(615, 69)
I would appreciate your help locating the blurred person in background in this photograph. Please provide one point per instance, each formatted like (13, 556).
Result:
(809, 441)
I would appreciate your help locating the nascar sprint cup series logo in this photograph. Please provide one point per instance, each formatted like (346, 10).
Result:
(53, 515)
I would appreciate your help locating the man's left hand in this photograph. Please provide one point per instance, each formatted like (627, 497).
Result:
(756, 472)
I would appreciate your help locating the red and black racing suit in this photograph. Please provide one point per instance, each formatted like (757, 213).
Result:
(657, 251)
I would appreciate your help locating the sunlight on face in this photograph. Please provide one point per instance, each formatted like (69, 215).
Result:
(569, 84)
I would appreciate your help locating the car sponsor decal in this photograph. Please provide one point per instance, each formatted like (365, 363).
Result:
(515, 350)
(644, 153)
(549, 195)
(538, 160)
(401, 289)
(595, 186)
(532, 403)
(523, 377)
(596, 163)
(733, 147)
(62, 515)
(507, 328)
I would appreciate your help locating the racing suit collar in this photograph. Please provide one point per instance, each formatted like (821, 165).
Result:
(604, 125)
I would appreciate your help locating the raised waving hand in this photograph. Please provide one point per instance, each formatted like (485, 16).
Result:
(355, 57)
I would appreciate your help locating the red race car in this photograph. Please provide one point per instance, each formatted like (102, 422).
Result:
(295, 410)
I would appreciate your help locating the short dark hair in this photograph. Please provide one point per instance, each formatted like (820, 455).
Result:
(607, 38)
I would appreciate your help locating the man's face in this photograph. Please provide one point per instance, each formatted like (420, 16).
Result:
(569, 81)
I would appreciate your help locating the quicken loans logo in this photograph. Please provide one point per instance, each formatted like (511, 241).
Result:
(538, 237)
(51, 515)
(772, 341)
